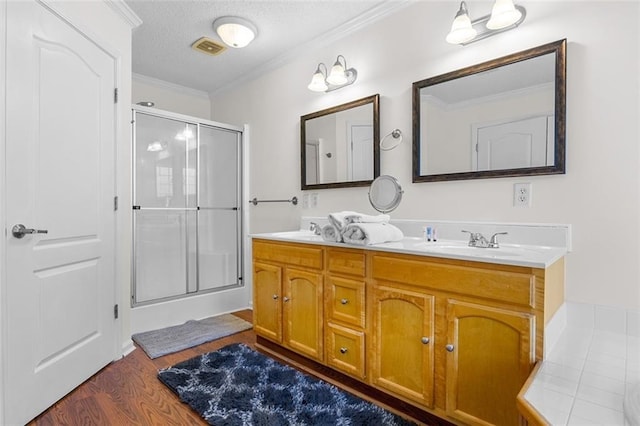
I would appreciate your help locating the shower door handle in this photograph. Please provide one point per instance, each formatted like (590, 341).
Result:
(19, 231)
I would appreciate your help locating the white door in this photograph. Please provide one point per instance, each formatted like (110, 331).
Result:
(361, 153)
(59, 300)
(512, 145)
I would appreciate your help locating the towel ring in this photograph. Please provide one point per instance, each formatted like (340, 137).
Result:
(396, 134)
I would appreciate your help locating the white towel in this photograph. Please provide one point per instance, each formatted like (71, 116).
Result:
(331, 233)
(371, 233)
(365, 218)
(337, 219)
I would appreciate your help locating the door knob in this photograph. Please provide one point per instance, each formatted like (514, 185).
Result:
(449, 348)
(20, 230)
(343, 350)
(425, 340)
(286, 299)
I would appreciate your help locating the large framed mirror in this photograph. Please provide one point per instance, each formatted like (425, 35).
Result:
(340, 145)
(500, 118)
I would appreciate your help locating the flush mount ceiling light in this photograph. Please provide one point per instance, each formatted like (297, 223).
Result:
(235, 32)
(504, 16)
(339, 77)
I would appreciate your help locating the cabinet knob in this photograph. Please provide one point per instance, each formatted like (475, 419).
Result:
(343, 350)
(425, 340)
(286, 299)
(344, 301)
(449, 348)
(275, 297)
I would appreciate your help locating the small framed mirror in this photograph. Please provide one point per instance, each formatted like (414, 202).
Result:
(385, 193)
(340, 145)
(500, 118)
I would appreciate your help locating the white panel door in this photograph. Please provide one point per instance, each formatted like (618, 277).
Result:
(361, 153)
(512, 145)
(60, 326)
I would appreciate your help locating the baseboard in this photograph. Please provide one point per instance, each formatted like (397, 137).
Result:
(127, 348)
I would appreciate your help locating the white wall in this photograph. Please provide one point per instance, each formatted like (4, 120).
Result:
(599, 195)
(171, 97)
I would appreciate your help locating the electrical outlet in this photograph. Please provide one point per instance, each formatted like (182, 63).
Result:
(522, 194)
(314, 199)
(305, 201)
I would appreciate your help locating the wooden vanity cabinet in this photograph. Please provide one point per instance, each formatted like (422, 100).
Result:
(456, 339)
(288, 296)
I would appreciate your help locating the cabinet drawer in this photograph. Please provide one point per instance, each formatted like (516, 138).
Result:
(500, 285)
(293, 254)
(345, 350)
(351, 262)
(345, 300)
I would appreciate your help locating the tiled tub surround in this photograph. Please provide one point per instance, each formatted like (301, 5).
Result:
(586, 373)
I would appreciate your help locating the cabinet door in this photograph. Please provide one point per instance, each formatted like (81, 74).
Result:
(490, 355)
(402, 348)
(267, 303)
(302, 314)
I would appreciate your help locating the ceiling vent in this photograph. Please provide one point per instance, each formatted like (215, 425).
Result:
(208, 46)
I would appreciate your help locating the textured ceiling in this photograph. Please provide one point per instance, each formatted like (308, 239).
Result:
(162, 44)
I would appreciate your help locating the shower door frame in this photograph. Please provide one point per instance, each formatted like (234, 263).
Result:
(189, 120)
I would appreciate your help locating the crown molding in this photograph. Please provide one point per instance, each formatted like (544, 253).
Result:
(381, 11)
(125, 12)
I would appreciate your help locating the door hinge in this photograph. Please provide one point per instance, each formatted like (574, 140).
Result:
(115, 203)
(115, 311)
(115, 95)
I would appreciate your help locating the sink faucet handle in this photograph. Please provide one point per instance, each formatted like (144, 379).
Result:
(494, 239)
(472, 238)
(315, 228)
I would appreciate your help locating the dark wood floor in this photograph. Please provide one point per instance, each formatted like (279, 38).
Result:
(127, 392)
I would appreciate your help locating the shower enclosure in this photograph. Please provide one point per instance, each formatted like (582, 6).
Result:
(187, 218)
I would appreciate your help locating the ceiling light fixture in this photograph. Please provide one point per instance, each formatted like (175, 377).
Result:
(339, 77)
(235, 32)
(504, 16)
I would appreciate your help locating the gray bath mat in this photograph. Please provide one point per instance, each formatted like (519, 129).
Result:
(161, 342)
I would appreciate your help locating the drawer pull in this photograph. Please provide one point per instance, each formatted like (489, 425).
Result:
(286, 299)
(275, 297)
(343, 350)
(344, 301)
(425, 340)
(449, 348)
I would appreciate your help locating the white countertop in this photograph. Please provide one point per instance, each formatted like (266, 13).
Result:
(507, 254)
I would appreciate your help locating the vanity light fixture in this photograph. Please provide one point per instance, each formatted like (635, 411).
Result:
(504, 16)
(339, 77)
(235, 32)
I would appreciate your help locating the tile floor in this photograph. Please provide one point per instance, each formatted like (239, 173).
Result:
(583, 379)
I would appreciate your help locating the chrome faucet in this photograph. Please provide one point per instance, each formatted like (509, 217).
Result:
(476, 239)
(315, 228)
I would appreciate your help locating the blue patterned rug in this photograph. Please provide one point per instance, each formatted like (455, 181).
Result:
(238, 386)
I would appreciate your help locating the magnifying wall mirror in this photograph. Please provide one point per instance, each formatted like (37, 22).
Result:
(340, 145)
(504, 117)
(385, 193)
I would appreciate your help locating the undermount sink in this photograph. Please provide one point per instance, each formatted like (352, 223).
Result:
(297, 235)
(461, 248)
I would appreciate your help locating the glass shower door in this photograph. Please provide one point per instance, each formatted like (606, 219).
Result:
(165, 208)
(218, 212)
